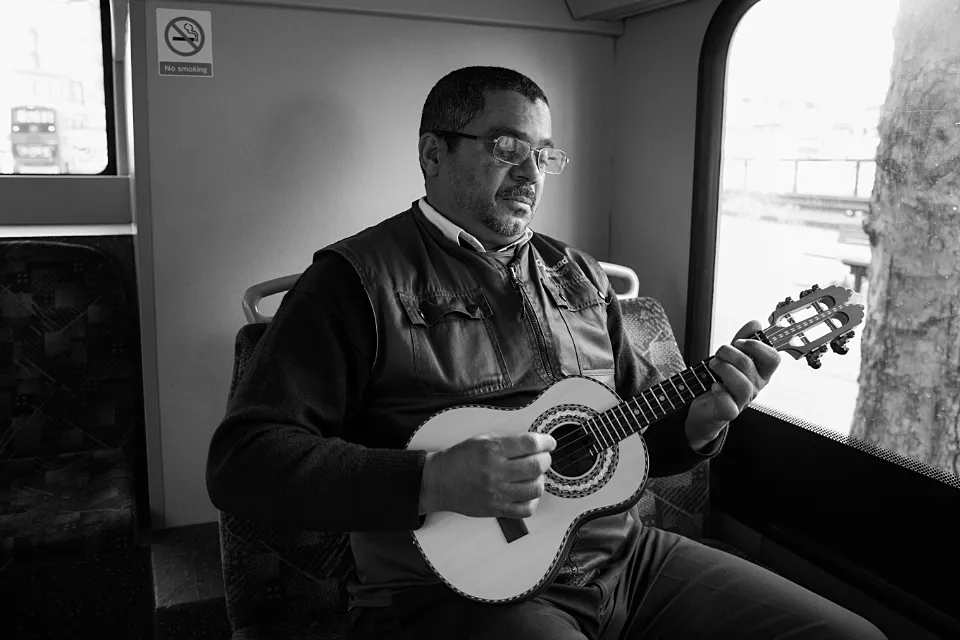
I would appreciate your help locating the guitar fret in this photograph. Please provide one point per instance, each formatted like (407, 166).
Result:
(707, 373)
(670, 380)
(658, 402)
(603, 443)
(614, 426)
(685, 386)
(638, 413)
(645, 399)
(609, 429)
(624, 429)
(697, 378)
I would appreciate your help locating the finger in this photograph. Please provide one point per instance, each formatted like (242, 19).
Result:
(523, 491)
(725, 407)
(526, 444)
(747, 330)
(739, 359)
(765, 358)
(520, 510)
(735, 384)
(527, 468)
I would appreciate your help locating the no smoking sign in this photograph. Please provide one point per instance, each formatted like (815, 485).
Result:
(184, 43)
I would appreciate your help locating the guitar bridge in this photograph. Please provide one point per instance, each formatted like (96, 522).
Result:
(512, 528)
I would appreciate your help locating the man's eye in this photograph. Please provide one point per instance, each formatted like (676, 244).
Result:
(511, 145)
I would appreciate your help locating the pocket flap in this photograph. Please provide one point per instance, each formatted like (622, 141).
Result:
(574, 295)
(432, 308)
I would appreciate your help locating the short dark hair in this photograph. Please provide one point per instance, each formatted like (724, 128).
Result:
(460, 96)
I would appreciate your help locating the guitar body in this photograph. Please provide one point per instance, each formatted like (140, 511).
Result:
(479, 557)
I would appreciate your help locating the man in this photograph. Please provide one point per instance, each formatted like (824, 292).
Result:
(457, 301)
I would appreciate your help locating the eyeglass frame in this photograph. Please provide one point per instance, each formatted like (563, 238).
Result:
(566, 158)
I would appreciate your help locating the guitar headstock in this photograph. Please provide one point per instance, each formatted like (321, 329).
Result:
(822, 316)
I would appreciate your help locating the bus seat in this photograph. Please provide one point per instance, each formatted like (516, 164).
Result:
(288, 580)
(68, 408)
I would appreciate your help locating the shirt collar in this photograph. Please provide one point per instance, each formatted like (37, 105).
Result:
(456, 234)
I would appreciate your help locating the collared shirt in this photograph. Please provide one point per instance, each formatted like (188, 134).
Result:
(456, 234)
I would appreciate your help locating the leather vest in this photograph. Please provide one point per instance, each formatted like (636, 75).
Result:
(455, 326)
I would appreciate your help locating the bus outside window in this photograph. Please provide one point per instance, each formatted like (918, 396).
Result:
(35, 140)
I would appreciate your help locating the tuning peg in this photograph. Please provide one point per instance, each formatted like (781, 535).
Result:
(807, 292)
(839, 344)
(785, 302)
(813, 358)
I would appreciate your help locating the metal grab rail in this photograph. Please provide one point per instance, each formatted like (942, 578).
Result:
(625, 273)
(256, 293)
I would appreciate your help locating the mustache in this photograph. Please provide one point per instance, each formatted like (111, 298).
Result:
(528, 193)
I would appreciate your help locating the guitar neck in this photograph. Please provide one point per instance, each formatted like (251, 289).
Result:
(654, 404)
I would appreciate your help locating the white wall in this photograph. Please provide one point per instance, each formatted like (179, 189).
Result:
(657, 65)
(307, 132)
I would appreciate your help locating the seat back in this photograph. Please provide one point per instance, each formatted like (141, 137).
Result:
(68, 397)
(275, 576)
(678, 503)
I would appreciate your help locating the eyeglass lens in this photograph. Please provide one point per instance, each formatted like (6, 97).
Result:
(516, 151)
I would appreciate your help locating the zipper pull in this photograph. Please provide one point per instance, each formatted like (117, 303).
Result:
(519, 287)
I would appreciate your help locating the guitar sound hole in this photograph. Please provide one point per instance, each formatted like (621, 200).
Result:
(574, 455)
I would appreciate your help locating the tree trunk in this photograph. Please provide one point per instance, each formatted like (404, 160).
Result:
(909, 400)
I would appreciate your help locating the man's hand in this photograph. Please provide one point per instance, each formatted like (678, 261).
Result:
(488, 476)
(744, 369)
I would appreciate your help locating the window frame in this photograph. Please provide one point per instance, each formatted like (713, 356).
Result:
(875, 533)
(87, 199)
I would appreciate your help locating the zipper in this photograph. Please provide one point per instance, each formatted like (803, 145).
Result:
(527, 308)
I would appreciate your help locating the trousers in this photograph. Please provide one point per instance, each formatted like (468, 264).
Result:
(670, 587)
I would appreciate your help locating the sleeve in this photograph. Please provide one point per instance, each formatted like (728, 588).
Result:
(670, 452)
(282, 452)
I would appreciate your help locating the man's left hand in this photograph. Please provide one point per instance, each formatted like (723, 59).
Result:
(743, 369)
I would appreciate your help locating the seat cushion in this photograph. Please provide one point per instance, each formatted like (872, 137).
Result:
(274, 575)
(87, 502)
(333, 627)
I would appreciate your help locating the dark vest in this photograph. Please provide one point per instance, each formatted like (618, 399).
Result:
(455, 327)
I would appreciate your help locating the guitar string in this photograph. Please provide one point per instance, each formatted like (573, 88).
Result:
(774, 332)
(561, 439)
(583, 452)
(589, 433)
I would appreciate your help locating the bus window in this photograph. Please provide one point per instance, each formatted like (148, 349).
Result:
(839, 168)
(52, 93)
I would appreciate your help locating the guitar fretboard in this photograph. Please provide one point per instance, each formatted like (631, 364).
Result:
(653, 404)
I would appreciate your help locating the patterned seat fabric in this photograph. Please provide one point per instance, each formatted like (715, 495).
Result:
(67, 408)
(291, 581)
(676, 503)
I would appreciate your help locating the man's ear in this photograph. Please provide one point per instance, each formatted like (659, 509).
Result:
(432, 148)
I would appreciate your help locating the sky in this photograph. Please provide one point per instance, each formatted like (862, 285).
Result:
(837, 51)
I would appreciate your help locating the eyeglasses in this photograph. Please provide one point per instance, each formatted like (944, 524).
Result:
(514, 151)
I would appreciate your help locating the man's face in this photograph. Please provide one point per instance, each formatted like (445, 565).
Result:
(491, 199)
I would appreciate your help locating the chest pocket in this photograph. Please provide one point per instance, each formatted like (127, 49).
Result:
(455, 347)
(583, 309)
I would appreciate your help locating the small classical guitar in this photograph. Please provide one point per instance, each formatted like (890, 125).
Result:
(600, 463)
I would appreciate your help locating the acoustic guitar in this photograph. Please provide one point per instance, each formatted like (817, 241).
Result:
(600, 463)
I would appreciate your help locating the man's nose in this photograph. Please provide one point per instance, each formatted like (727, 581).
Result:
(529, 168)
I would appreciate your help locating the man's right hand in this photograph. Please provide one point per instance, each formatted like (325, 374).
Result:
(488, 476)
